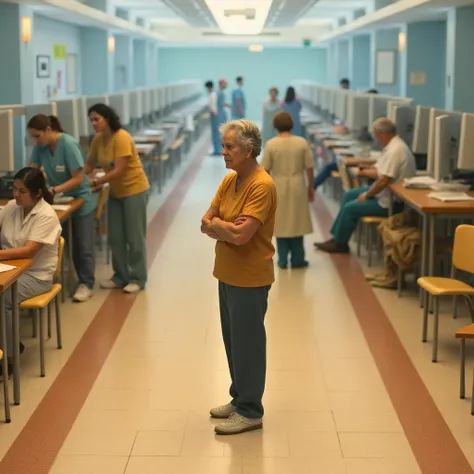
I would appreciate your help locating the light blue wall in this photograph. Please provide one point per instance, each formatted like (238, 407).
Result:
(123, 68)
(343, 65)
(383, 40)
(47, 33)
(460, 62)
(360, 62)
(139, 63)
(272, 67)
(426, 52)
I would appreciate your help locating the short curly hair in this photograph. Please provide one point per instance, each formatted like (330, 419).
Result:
(248, 134)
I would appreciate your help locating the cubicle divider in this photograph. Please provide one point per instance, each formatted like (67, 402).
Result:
(7, 157)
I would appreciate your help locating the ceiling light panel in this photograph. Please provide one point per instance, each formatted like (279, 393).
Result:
(240, 17)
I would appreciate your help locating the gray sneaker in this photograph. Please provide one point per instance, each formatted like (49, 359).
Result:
(223, 411)
(237, 424)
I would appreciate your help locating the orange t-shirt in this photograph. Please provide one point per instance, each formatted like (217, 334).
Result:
(249, 265)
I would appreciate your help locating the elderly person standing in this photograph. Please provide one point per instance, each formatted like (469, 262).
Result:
(396, 164)
(291, 163)
(241, 218)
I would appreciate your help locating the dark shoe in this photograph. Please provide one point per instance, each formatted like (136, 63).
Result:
(318, 244)
(282, 266)
(333, 247)
(305, 264)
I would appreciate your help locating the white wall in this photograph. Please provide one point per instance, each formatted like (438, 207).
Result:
(46, 34)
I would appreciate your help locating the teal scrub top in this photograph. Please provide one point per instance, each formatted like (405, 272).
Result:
(59, 167)
(238, 93)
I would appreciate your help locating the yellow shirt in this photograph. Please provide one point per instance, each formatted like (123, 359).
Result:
(249, 265)
(121, 145)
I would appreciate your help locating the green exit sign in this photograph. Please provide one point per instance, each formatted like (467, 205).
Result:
(306, 43)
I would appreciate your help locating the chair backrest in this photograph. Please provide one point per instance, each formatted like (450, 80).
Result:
(60, 257)
(463, 256)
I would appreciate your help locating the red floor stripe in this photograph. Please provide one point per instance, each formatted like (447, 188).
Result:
(37, 446)
(431, 440)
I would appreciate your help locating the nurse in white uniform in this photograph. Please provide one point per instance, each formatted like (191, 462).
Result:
(30, 229)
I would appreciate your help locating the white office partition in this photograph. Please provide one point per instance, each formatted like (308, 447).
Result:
(120, 102)
(145, 96)
(404, 117)
(358, 112)
(422, 130)
(448, 134)
(7, 157)
(45, 109)
(17, 109)
(136, 111)
(83, 118)
(466, 146)
(68, 115)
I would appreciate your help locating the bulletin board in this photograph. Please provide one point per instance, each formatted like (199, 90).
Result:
(385, 67)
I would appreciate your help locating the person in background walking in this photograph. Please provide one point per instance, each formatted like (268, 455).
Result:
(270, 108)
(238, 100)
(292, 105)
(214, 114)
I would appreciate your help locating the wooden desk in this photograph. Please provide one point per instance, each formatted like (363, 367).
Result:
(431, 209)
(7, 280)
(352, 161)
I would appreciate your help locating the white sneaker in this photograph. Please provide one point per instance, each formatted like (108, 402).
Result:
(109, 285)
(223, 411)
(132, 288)
(237, 424)
(83, 293)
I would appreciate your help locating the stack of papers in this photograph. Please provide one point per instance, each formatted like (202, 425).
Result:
(5, 268)
(419, 182)
(61, 207)
(451, 197)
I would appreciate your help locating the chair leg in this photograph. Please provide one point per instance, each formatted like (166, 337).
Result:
(49, 321)
(435, 328)
(58, 323)
(34, 323)
(399, 282)
(370, 231)
(41, 338)
(359, 238)
(462, 380)
(470, 305)
(424, 336)
(472, 399)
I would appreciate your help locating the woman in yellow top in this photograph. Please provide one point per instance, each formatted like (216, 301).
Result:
(241, 218)
(113, 150)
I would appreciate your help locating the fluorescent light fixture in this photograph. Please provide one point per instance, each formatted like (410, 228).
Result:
(240, 17)
(111, 44)
(402, 42)
(256, 48)
(26, 29)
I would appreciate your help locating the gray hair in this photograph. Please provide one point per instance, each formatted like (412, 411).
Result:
(384, 125)
(248, 134)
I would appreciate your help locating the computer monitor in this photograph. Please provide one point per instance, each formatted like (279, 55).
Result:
(403, 116)
(358, 112)
(466, 143)
(332, 93)
(379, 105)
(447, 138)
(434, 113)
(422, 130)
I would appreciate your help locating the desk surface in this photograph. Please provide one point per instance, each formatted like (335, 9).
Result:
(8, 278)
(356, 161)
(74, 205)
(419, 200)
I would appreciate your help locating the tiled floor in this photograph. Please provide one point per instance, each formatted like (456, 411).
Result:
(327, 408)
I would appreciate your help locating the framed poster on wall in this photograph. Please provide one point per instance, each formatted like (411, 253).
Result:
(385, 67)
(43, 66)
(71, 73)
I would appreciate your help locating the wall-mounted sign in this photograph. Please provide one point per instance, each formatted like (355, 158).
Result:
(417, 78)
(59, 51)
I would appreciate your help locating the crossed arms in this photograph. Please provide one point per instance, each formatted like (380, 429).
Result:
(238, 232)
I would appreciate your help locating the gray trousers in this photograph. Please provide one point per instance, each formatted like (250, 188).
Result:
(243, 330)
(28, 286)
(83, 247)
(127, 238)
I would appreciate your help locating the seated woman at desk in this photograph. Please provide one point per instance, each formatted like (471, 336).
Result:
(30, 229)
(61, 157)
(113, 149)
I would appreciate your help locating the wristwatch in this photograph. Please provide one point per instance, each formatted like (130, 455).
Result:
(94, 183)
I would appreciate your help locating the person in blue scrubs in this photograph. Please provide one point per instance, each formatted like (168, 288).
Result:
(238, 100)
(60, 155)
(292, 105)
(214, 115)
(221, 102)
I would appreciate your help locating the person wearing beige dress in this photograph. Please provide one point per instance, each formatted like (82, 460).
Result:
(290, 162)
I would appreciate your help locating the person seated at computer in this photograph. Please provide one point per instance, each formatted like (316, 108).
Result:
(345, 83)
(30, 229)
(329, 168)
(395, 164)
(60, 155)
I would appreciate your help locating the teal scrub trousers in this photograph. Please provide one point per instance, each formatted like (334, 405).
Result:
(352, 210)
(293, 246)
(127, 239)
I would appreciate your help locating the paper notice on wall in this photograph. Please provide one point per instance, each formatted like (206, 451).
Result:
(417, 78)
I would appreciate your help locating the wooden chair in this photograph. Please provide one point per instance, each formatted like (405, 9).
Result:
(463, 260)
(37, 305)
(463, 334)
